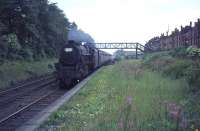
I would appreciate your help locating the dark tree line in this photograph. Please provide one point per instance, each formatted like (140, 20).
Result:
(31, 29)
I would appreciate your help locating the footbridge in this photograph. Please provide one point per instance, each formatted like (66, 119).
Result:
(139, 48)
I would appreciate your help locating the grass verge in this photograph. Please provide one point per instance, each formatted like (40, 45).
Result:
(176, 65)
(11, 72)
(121, 97)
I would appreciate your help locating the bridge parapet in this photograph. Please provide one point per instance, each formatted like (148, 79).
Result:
(124, 45)
(116, 45)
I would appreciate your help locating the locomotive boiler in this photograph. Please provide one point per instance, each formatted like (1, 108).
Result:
(77, 60)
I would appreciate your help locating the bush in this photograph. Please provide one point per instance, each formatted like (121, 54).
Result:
(12, 46)
(193, 52)
(182, 52)
(179, 52)
(192, 75)
(27, 54)
(157, 61)
(181, 66)
(177, 69)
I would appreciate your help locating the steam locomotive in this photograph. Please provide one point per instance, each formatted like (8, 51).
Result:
(77, 60)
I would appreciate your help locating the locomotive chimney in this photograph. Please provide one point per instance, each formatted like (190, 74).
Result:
(190, 23)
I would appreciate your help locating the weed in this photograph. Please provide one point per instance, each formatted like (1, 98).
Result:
(12, 72)
(115, 100)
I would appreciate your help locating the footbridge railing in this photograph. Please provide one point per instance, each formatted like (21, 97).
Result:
(124, 45)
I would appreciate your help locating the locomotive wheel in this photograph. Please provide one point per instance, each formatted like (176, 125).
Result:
(65, 85)
(86, 71)
(74, 82)
(62, 84)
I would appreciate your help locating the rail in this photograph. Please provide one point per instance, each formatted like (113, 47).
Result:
(4, 92)
(25, 107)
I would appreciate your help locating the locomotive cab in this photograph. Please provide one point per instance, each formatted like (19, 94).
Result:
(73, 63)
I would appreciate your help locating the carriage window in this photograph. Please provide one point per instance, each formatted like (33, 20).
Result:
(68, 49)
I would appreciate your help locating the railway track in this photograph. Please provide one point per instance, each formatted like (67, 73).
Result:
(25, 85)
(23, 102)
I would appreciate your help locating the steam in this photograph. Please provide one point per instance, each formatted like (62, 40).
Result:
(78, 35)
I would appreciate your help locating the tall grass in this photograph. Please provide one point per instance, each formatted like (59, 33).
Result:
(121, 97)
(176, 65)
(11, 72)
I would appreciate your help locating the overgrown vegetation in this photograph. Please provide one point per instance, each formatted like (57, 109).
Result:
(31, 32)
(176, 66)
(12, 72)
(32, 29)
(183, 64)
(190, 52)
(193, 52)
(125, 96)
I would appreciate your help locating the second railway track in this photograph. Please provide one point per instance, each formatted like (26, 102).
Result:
(25, 86)
(21, 103)
(26, 104)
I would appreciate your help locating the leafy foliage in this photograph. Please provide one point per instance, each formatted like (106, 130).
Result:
(31, 29)
(185, 68)
(179, 52)
(19, 71)
(119, 55)
(175, 67)
(193, 52)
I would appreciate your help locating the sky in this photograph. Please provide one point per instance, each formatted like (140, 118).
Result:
(129, 20)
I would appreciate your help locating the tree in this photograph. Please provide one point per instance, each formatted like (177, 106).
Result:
(119, 54)
(39, 27)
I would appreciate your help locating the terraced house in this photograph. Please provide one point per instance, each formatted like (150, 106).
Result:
(186, 36)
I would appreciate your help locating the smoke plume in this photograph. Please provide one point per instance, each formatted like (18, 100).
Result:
(78, 35)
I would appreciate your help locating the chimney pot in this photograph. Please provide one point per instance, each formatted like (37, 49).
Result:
(181, 27)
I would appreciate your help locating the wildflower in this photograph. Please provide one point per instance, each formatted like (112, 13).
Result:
(85, 123)
(174, 114)
(192, 126)
(92, 115)
(171, 106)
(120, 124)
(184, 123)
(129, 100)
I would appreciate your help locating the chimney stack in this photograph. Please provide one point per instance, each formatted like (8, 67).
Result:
(198, 20)
(195, 24)
(181, 27)
(190, 23)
